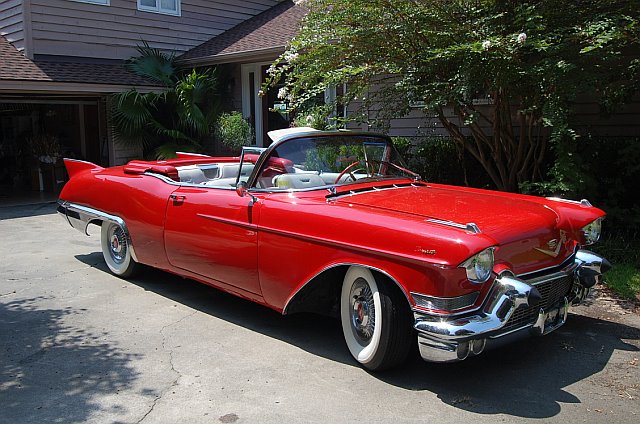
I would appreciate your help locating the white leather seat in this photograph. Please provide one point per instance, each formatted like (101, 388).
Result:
(297, 181)
(230, 170)
(191, 174)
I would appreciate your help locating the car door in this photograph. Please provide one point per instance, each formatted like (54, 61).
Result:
(213, 232)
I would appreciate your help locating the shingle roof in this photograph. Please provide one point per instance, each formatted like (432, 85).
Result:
(16, 67)
(271, 29)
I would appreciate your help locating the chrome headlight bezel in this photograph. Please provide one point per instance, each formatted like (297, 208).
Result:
(591, 232)
(480, 266)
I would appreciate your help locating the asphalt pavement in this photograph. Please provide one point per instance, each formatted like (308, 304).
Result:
(80, 345)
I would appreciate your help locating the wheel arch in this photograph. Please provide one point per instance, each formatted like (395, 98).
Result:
(321, 293)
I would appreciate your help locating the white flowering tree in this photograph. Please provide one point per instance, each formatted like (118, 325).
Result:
(525, 61)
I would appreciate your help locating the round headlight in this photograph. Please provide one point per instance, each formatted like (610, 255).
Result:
(479, 266)
(592, 231)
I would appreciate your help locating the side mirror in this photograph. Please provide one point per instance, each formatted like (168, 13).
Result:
(242, 189)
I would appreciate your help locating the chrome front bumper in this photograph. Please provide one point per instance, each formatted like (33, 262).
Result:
(449, 339)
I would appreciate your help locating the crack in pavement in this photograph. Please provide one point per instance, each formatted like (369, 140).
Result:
(178, 373)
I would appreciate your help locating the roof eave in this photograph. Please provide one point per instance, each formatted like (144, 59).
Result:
(18, 86)
(234, 56)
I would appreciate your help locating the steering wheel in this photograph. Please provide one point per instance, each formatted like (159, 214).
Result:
(347, 169)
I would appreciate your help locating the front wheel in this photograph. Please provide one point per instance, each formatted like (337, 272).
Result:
(116, 250)
(376, 321)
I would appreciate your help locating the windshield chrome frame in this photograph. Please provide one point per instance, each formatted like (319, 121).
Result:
(251, 182)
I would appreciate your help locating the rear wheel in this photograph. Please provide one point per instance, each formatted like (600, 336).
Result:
(376, 321)
(116, 250)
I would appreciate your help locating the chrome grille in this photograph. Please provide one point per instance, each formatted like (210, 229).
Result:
(552, 292)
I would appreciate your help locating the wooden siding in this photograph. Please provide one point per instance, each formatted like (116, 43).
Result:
(587, 120)
(70, 28)
(11, 22)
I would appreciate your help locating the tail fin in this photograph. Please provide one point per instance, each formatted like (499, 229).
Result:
(75, 166)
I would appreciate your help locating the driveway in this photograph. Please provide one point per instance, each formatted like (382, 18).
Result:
(80, 345)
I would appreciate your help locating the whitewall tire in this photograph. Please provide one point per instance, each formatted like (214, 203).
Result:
(116, 250)
(375, 319)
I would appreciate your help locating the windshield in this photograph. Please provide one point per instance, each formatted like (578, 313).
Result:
(319, 161)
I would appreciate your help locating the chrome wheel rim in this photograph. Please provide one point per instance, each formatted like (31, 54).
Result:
(117, 244)
(362, 311)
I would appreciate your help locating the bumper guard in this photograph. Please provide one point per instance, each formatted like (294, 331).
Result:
(442, 339)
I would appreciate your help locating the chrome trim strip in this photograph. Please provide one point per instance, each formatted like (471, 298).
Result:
(344, 245)
(87, 215)
(470, 226)
(583, 202)
(335, 196)
(194, 154)
(233, 222)
(185, 184)
(81, 161)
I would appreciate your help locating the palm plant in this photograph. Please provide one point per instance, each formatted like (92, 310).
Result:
(176, 118)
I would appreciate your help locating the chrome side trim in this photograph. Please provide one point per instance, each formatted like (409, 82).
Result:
(583, 202)
(335, 196)
(80, 217)
(470, 226)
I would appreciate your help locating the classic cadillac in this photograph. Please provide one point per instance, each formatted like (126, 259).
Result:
(334, 223)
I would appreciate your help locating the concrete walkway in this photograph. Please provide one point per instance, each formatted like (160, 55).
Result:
(80, 345)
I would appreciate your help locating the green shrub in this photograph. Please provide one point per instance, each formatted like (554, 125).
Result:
(233, 131)
(314, 117)
(437, 159)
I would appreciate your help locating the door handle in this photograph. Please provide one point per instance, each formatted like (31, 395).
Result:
(177, 198)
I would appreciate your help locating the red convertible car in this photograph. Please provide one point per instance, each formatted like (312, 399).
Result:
(334, 223)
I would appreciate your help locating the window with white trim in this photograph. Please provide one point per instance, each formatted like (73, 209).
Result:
(168, 7)
(100, 2)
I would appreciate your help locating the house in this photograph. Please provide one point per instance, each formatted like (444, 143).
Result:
(61, 59)
(244, 53)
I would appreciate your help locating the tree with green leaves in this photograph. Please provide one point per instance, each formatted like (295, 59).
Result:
(179, 117)
(500, 76)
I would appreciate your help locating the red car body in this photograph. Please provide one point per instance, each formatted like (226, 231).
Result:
(289, 248)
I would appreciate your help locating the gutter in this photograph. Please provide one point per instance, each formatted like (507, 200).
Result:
(232, 57)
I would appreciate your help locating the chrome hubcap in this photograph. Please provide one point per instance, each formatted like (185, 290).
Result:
(117, 244)
(363, 314)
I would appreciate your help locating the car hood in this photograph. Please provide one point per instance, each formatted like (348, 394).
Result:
(523, 229)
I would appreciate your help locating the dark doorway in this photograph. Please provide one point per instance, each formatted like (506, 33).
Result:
(274, 110)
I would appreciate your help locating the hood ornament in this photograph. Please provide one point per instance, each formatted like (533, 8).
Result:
(554, 245)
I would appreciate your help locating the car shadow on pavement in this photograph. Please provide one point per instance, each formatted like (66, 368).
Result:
(51, 371)
(527, 378)
(316, 334)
